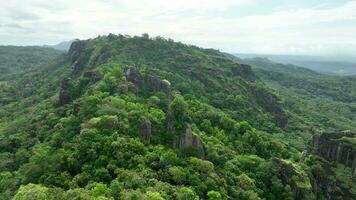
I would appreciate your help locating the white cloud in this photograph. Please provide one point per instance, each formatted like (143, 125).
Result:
(318, 30)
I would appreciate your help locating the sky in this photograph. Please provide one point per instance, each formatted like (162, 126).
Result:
(301, 27)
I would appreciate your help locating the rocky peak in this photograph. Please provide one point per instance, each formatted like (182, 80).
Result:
(79, 54)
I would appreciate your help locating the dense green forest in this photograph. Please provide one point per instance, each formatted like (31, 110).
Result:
(318, 101)
(120, 117)
(14, 60)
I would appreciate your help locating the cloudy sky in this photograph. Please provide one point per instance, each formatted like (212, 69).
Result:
(311, 27)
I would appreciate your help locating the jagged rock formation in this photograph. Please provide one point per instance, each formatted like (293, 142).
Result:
(333, 149)
(79, 54)
(188, 141)
(336, 147)
(146, 131)
(297, 179)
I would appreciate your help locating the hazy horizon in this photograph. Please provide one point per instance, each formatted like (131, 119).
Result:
(314, 27)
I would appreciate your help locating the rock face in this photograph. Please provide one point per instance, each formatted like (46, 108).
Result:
(270, 103)
(157, 85)
(298, 181)
(151, 82)
(336, 147)
(190, 142)
(133, 75)
(146, 131)
(79, 55)
(64, 94)
(244, 71)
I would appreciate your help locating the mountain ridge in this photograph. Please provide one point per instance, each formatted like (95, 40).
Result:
(120, 117)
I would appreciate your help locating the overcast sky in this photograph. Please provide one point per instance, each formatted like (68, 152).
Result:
(312, 27)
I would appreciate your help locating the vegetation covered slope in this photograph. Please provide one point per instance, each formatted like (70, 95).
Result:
(121, 117)
(15, 59)
(318, 101)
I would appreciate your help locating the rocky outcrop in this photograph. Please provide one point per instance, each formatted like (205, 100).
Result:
(145, 131)
(297, 179)
(79, 54)
(270, 103)
(244, 71)
(92, 76)
(190, 143)
(336, 147)
(64, 93)
(335, 155)
(157, 85)
(151, 82)
(133, 75)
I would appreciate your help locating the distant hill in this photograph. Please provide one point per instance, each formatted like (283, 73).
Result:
(63, 46)
(16, 59)
(316, 63)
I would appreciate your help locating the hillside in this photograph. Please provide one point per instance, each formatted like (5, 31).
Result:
(326, 102)
(344, 66)
(121, 117)
(15, 59)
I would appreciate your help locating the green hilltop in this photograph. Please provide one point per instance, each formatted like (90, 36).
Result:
(120, 117)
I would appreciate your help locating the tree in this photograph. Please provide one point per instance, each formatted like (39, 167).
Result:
(154, 196)
(33, 192)
(178, 111)
(213, 195)
(185, 193)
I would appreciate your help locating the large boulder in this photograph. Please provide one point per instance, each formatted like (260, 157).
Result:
(148, 81)
(190, 143)
(134, 75)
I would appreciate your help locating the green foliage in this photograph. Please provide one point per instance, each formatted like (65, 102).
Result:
(33, 192)
(178, 109)
(92, 147)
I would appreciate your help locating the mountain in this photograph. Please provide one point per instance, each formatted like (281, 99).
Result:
(14, 59)
(327, 65)
(62, 46)
(120, 117)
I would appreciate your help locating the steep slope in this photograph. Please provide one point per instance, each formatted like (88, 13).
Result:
(121, 117)
(126, 116)
(315, 102)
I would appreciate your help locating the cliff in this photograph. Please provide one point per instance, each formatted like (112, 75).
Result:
(336, 147)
